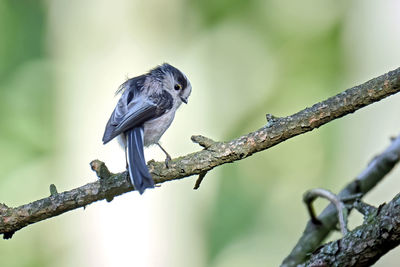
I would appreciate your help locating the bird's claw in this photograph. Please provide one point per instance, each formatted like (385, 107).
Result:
(127, 177)
(167, 160)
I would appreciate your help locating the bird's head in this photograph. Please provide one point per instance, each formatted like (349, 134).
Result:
(174, 81)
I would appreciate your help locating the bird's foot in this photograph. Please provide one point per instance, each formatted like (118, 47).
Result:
(127, 177)
(167, 160)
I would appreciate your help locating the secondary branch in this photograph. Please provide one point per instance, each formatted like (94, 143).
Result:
(363, 246)
(314, 234)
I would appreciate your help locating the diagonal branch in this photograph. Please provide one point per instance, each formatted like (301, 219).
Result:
(214, 153)
(314, 234)
(363, 246)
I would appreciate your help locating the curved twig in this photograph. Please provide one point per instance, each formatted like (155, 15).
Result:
(312, 194)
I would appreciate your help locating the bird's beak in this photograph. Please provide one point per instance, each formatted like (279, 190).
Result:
(184, 100)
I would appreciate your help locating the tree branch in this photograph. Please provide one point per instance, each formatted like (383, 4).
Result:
(341, 209)
(363, 246)
(314, 234)
(214, 154)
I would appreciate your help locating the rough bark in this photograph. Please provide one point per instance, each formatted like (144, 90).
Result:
(363, 246)
(214, 153)
(314, 234)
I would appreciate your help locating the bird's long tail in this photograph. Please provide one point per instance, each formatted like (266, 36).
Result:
(138, 171)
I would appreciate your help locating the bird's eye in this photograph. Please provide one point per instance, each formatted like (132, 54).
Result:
(177, 86)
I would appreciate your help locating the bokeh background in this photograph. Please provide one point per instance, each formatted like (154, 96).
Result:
(61, 62)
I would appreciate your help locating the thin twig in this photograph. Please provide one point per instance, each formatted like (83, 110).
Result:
(351, 198)
(312, 194)
(53, 190)
(364, 208)
(203, 141)
(199, 180)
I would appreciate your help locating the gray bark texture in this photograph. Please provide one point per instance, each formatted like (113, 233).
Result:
(363, 246)
(315, 233)
(214, 154)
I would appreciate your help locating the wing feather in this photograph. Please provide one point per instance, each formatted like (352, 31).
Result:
(134, 108)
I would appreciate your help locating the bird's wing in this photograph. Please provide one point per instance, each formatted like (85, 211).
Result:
(133, 109)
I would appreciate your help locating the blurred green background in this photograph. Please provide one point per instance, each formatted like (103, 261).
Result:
(61, 61)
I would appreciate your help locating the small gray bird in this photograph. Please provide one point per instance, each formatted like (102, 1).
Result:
(143, 113)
